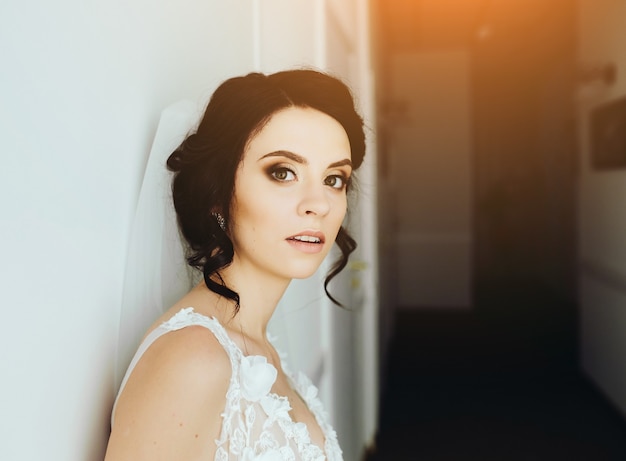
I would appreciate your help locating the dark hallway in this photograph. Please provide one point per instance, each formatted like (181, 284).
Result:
(475, 386)
(496, 377)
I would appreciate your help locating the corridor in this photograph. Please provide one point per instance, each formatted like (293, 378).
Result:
(499, 383)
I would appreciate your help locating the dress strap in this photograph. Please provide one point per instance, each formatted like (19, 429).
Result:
(184, 318)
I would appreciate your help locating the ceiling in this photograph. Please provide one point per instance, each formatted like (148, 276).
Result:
(426, 24)
(432, 24)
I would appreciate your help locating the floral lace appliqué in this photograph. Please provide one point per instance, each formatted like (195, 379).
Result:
(256, 424)
(256, 377)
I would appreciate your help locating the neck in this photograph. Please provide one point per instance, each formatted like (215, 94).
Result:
(259, 295)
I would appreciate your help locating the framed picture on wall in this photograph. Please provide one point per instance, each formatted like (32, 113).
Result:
(608, 135)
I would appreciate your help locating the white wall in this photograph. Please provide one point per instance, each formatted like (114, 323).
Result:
(602, 207)
(81, 89)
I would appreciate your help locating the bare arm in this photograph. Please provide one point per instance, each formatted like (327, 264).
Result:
(170, 408)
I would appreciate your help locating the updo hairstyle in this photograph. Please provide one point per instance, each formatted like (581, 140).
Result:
(205, 164)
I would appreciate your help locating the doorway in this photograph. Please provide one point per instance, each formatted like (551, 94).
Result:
(481, 205)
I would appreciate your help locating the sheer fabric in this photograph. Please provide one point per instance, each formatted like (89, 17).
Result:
(256, 425)
(156, 272)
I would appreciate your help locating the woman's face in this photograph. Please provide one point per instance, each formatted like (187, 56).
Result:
(290, 194)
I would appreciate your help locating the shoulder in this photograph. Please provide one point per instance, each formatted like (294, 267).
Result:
(189, 352)
(173, 399)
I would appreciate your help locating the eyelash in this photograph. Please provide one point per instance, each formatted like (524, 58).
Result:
(276, 170)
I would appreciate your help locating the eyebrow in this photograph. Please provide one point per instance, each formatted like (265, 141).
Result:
(299, 159)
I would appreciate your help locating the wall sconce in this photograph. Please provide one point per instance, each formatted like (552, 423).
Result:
(594, 81)
(598, 73)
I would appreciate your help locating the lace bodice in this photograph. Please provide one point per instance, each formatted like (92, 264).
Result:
(256, 424)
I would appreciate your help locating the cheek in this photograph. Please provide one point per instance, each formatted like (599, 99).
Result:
(254, 214)
(339, 212)
(342, 206)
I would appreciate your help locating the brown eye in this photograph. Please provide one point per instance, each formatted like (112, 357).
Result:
(283, 174)
(336, 181)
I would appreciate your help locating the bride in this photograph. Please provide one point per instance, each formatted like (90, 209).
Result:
(260, 191)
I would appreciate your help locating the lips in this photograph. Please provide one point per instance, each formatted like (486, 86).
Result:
(308, 241)
(308, 237)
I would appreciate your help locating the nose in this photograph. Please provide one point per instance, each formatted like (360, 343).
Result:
(314, 200)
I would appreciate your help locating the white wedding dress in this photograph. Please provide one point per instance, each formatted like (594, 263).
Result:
(256, 425)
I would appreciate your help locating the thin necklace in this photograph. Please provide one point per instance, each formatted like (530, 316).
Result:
(245, 345)
(243, 336)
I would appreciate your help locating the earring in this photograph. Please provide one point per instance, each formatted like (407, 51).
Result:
(220, 220)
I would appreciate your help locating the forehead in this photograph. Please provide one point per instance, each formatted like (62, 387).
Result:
(301, 130)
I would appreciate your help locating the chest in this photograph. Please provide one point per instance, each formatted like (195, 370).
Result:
(300, 412)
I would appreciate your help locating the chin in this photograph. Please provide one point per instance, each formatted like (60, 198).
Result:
(301, 275)
(304, 272)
